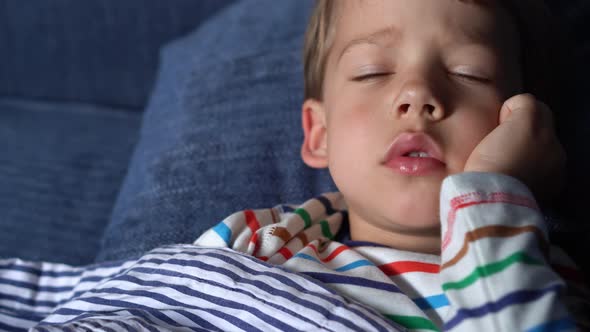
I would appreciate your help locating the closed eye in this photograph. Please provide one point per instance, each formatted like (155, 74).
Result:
(472, 78)
(370, 76)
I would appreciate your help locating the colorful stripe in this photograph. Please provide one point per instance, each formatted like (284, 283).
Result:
(354, 265)
(494, 231)
(282, 233)
(224, 232)
(432, 302)
(327, 205)
(303, 238)
(347, 267)
(326, 229)
(397, 268)
(478, 198)
(334, 253)
(275, 217)
(308, 257)
(305, 216)
(514, 298)
(491, 269)
(254, 241)
(251, 220)
(286, 252)
(424, 303)
(413, 322)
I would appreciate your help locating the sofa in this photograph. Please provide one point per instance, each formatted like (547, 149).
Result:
(125, 125)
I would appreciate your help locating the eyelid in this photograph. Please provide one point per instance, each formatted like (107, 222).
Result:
(368, 71)
(370, 76)
(467, 71)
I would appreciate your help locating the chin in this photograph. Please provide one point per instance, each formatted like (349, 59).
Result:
(418, 220)
(416, 212)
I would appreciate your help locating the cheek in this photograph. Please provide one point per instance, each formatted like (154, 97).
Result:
(469, 129)
(353, 120)
(348, 133)
(352, 133)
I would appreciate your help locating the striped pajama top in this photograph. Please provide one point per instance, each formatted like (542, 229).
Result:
(281, 269)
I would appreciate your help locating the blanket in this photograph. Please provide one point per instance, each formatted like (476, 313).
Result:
(175, 288)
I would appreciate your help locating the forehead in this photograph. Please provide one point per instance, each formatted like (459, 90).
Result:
(441, 21)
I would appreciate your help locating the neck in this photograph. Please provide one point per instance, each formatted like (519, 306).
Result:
(423, 241)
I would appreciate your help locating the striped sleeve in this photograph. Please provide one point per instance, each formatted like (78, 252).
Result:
(494, 260)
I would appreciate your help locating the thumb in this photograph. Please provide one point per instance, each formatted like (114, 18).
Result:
(505, 113)
(525, 101)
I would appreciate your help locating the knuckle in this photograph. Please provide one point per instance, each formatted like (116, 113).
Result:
(523, 103)
(529, 103)
(527, 98)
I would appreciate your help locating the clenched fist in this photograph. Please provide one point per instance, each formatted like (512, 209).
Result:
(525, 146)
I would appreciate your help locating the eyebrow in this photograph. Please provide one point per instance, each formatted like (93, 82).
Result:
(391, 32)
(374, 38)
(476, 36)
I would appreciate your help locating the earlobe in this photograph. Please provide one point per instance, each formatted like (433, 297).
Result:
(314, 150)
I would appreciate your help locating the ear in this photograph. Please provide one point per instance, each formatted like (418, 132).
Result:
(314, 150)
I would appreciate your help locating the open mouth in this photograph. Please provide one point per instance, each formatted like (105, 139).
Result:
(414, 154)
(417, 154)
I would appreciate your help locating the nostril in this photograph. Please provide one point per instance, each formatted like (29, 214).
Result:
(404, 108)
(429, 108)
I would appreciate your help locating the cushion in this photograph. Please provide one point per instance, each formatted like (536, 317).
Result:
(61, 167)
(90, 51)
(221, 132)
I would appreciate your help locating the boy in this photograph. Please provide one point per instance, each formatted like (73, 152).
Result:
(401, 97)
(414, 106)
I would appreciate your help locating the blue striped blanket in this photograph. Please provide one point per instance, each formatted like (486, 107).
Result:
(175, 288)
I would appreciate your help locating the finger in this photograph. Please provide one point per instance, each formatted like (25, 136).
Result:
(524, 104)
(525, 108)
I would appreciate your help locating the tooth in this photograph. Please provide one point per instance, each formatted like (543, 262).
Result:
(419, 154)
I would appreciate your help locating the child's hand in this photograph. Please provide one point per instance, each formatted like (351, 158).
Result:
(524, 145)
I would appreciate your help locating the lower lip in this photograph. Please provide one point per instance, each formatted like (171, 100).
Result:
(415, 166)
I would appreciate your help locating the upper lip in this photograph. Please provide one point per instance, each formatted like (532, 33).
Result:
(413, 142)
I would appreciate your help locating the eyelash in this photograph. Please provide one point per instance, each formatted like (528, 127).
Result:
(366, 77)
(472, 78)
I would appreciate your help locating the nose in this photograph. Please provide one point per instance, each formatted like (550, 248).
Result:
(416, 98)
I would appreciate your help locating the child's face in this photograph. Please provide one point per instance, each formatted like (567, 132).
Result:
(439, 67)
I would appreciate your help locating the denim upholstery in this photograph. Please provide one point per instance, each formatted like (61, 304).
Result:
(61, 166)
(74, 79)
(221, 133)
(100, 51)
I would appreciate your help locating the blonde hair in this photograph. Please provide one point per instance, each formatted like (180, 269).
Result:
(316, 48)
(540, 47)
